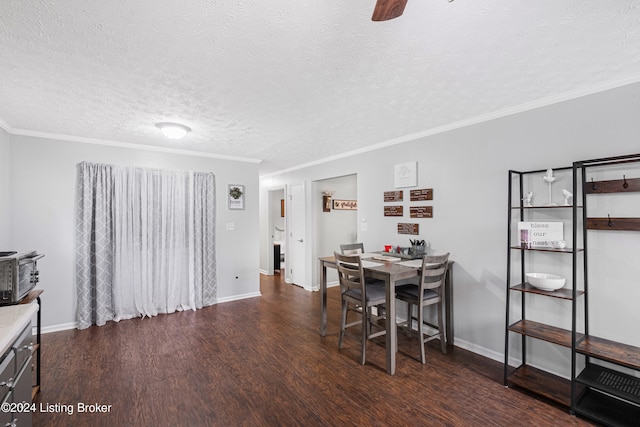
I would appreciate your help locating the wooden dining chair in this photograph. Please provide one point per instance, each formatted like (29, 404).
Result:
(352, 248)
(358, 296)
(358, 248)
(428, 291)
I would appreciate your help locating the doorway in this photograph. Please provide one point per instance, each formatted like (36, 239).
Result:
(277, 232)
(338, 224)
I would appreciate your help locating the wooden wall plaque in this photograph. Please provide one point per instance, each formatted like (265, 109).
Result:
(345, 205)
(421, 211)
(421, 195)
(613, 186)
(404, 228)
(393, 211)
(393, 196)
(626, 224)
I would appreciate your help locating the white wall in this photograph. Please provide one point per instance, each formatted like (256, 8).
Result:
(468, 169)
(42, 211)
(4, 191)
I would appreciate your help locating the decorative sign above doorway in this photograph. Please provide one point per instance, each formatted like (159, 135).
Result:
(348, 205)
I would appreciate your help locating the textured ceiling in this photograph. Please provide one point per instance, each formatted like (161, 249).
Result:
(290, 82)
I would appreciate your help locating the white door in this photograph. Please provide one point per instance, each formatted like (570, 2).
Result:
(297, 245)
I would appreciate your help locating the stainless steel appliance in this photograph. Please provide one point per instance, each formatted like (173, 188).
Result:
(18, 275)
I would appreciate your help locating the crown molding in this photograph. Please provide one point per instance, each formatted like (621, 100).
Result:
(4, 125)
(543, 102)
(528, 106)
(95, 141)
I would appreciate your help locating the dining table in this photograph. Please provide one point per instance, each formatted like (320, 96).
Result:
(391, 269)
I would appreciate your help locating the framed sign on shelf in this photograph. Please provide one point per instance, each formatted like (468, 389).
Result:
(236, 196)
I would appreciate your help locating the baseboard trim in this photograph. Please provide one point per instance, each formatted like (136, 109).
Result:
(74, 325)
(482, 351)
(316, 288)
(238, 297)
(56, 328)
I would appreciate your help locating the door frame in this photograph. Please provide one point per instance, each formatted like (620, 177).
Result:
(270, 208)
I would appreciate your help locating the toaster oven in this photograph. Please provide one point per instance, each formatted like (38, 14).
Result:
(18, 275)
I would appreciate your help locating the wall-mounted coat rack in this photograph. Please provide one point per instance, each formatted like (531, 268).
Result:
(608, 223)
(606, 394)
(623, 185)
(613, 186)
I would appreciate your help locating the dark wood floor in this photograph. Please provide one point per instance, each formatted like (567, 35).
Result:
(262, 362)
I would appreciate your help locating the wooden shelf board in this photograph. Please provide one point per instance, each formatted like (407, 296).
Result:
(31, 296)
(543, 383)
(543, 332)
(34, 390)
(545, 249)
(610, 351)
(607, 410)
(546, 207)
(560, 293)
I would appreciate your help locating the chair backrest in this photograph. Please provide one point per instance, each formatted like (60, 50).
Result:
(352, 248)
(434, 271)
(437, 258)
(350, 272)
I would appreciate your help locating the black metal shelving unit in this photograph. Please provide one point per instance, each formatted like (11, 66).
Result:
(604, 394)
(526, 376)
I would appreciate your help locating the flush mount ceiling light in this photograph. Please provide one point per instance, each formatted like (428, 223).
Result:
(173, 130)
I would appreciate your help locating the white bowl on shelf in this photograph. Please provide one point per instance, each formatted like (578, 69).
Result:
(545, 281)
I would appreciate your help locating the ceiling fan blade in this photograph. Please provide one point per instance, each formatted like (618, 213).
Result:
(388, 9)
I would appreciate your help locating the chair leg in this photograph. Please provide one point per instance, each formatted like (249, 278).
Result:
(343, 322)
(421, 332)
(443, 341)
(409, 318)
(366, 319)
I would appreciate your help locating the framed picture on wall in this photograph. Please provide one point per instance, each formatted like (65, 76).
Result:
(406, 174)
(236, 196)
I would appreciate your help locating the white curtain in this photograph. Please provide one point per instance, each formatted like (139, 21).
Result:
(145, 242)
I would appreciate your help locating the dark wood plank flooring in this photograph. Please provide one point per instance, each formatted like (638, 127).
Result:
(262, 362)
